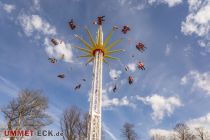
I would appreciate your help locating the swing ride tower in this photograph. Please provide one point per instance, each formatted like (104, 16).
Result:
(97, 52)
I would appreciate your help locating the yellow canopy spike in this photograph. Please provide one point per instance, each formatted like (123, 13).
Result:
(85, 56)
(113, 44)
(110, 57)
(108, 37)
(84, 42)
(90, 60)
(105, 61)
(82, 49)
(91, 38)
(114, 51)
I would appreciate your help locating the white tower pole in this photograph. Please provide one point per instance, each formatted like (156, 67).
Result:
(94, 130)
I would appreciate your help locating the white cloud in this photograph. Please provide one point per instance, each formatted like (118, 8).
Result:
(59, 50)
(109, 104)
(161, 106)
(36, 5)
(8, 7)
(34, 23)
(167, 50)
(132, 67)
(108, 88)
(198, 80)
(203, 121)
(133, 5)
(158, 133)
(170, 3)
(198, 22)
(198, 19)
(138, 7)
(188, 50)
(115, 73)
(202, 43)
(205, 43)
(115, 102)
(184, 80)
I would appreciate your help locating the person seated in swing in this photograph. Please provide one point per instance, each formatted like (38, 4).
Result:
(141, 65)
(52, 60)
(115, 27)
(78, 87)
(54, 42)
(125, 29)
(130, 80)
(140, 46)
(72, 25)
(61, 76)
(126, 68)
(100, 20)
(115, 88)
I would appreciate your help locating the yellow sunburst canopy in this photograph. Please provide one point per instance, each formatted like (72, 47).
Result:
(99, 45)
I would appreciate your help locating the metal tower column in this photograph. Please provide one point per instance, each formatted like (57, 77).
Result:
(96, 93)
(97, 52)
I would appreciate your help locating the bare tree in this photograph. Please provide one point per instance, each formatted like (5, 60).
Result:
(27, 111)
(74, 124)
(201, 133)
(172, 136)
(183, 132)
(128, 132)
(82, 126)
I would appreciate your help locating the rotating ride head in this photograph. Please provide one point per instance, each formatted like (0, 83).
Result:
(99, 45)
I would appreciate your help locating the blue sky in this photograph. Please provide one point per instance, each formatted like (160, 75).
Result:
(174, 88)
